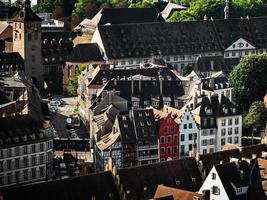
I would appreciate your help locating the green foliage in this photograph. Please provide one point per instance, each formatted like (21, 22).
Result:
(215, 8)
(249, 80)
(143, 4)
(187, 69)
(46, 6)
(73, 82)
(257, 116)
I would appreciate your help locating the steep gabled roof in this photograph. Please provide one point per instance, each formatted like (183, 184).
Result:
(98, 185)
(85, 53)
(141, 182)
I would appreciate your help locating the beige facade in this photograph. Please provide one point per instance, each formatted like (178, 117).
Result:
(28, 42)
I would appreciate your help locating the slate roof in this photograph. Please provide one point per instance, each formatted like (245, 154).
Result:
(26, 15)
(108, 74)
(98, 185)
(11, 61)
(141, 182)
(140, 40)
(126, 16)
(148, 131)
(149, 89)
(126, 129)
(85, 53)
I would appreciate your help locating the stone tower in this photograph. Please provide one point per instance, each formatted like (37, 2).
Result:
(28, 42)
(227, 9)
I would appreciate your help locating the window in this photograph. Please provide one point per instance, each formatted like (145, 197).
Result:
(33, 148)
(190, 147)
(169, 139)
(33, 160)
(172, 129)
(190, 125)
(141, 123)
(223, 131)
(17, 163)
(233, 54)
(8, 165)
(223, 141)
(25, 161)
(9, 178)
(213, 176)
(123, 62)
(33, 173)
(204, 151)
(215, 190)
(236, 130)
(205, 122)
(175, 139)
(230, 131)
(236, 139)
(25, 174)
(211, 132)
(182, 57)
(229, 140)
(17, 151)
(1, 166)
(204, 142)
(41, 170)
(211, 150)
(20, 36)
(236, 121)
(182, 150)
(223, 122)
(9, 152)
(175, 150)
(166, 129)
(162, 150)
(204, 133)
(212, 141)
(182, 137)
(185, 126)
(226, 54)
(230, 122)
(169, 150)
(41, 158)
(130, 62)
(190, 136)
(162, 140)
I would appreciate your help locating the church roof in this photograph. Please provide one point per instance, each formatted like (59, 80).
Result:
(26, 15)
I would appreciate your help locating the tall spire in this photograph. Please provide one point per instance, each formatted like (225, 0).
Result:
(27, 4)
(227, 9)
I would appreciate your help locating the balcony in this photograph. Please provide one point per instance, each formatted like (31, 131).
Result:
(148, 157)
(148, 147)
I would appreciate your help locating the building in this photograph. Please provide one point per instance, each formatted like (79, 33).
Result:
(26, 150)
(27, 42)
(169, 138)
(49, 24)
(178, 43)
(233, 180)
(220, 122)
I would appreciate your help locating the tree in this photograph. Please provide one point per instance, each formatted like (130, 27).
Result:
(257, 116)
(143, 4)
(249, 80)
(73, 82)
(215, 8)
(187, 69)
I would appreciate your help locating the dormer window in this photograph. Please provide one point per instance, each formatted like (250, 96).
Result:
(124, 118)
(32, 136)
(234, 110)
(24, 138)
(41, 135)
(141, 123)
(125, 125)
(147, 114)
(8, 140)
(140, 114)
(16, 139)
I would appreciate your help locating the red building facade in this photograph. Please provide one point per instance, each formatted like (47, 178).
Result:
(168, 139)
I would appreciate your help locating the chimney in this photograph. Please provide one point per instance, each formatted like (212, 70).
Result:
(211, 65)
(161, 85)
(109, 97)
(227, 9)
(132, 84)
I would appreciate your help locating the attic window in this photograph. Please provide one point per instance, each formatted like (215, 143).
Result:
(177, 182)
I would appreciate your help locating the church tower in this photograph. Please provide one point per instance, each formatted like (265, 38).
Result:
(28, 42)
